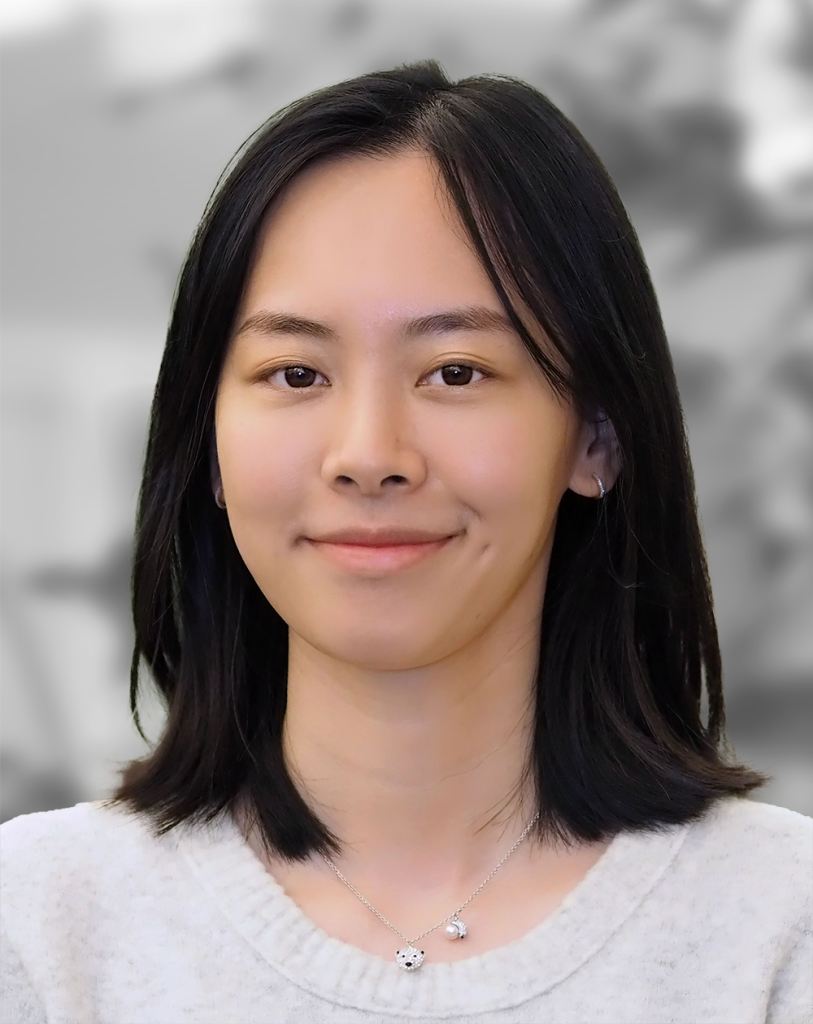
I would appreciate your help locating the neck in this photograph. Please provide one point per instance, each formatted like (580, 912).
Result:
(421, 774)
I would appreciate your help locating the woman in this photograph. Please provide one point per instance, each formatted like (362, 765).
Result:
(419, 576)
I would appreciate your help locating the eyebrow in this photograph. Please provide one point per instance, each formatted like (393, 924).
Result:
(463, 318)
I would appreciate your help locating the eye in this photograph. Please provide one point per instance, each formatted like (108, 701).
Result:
(298, 377)
(460, 373)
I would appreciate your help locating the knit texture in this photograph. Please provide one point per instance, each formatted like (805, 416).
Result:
(104, 924)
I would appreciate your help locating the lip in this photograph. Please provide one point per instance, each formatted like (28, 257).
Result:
(377, 558)
(381, 537)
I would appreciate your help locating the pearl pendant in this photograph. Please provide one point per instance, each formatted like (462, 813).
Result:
(410, 958)
(455, 929)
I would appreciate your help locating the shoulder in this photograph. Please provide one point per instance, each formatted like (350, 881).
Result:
(755, 851)
(59, 845)
(740, 826)
(91, 818)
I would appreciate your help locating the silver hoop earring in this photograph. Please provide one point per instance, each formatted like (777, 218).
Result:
(601, 486)
(219, 498)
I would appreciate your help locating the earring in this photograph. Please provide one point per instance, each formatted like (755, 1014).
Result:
(219, 498)
(600, 485)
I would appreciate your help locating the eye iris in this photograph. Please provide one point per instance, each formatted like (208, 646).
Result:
(290, 370)
(455, 368)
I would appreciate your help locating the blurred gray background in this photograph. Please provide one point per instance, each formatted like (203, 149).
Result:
(118, 118)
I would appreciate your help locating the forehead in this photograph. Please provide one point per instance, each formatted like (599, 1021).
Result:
(365, 188)
(375, 225)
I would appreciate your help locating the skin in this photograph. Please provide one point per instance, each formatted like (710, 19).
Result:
(409, 693)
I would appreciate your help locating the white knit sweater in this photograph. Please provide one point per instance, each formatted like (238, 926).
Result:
(103, 924)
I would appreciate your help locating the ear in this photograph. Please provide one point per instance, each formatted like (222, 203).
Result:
(597, 455)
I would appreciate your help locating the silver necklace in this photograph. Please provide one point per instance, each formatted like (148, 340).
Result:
(410, 957)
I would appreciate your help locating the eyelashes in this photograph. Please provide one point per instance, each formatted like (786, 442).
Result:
(268, 376)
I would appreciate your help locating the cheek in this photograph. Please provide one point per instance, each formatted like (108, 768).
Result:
(514, 466)
(263, 484)
(259, 469)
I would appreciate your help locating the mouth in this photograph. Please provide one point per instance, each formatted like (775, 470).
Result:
(367, 558)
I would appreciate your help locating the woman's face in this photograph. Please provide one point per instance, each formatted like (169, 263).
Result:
(367, 430)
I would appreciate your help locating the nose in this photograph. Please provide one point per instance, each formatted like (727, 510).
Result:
(372, 441)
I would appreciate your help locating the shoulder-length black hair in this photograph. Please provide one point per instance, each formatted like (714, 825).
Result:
(628, 644)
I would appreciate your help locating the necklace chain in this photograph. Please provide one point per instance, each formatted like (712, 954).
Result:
(456, 912)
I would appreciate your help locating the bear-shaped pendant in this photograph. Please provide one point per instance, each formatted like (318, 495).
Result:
(409, 959)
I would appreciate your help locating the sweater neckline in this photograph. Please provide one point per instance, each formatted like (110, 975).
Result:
(267, 917)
